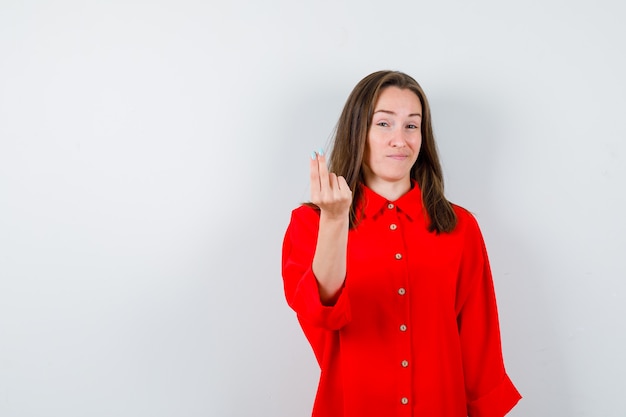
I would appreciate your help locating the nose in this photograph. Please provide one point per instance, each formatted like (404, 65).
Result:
(397, 139)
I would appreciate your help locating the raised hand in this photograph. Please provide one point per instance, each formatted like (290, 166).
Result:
(329, 192)
(333, 196)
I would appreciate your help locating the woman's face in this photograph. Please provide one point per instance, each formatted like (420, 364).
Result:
(394, 138)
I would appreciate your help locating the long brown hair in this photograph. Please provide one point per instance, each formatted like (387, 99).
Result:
(350, 139)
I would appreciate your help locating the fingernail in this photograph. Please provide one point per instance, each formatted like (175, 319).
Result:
(320, 151)
(313, 155)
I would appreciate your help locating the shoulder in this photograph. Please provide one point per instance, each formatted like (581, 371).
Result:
(304, 212)
(304, 218)
(462, 212)
(466, 222)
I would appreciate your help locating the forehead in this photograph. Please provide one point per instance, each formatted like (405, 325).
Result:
(398, 97)
(393, 97)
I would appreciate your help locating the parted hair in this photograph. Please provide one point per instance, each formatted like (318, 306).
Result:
(350, 140)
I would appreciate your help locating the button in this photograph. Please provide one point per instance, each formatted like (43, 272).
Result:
(393, 226)
(389, 206)
(398, 256)
(404, 400)
(401, 291)
(403, 327)
(405, 364)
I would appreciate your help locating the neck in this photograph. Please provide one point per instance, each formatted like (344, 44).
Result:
(390, 190)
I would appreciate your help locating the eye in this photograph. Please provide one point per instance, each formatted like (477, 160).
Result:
(412, 126)
(383, 124)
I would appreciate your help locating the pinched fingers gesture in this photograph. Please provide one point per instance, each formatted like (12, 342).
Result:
(329, 192)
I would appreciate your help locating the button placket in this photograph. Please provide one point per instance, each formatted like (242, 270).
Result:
(398, 249)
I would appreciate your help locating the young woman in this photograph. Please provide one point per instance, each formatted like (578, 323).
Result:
(390, 281)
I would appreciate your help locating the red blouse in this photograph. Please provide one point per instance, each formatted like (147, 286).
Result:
(415, 329)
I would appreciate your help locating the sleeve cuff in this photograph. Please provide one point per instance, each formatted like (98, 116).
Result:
(496, 403)
(312, 311)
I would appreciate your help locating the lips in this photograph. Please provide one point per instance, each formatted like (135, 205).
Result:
(398, 157)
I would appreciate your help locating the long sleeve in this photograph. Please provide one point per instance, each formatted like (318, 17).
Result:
(490, 392)
(300, 284)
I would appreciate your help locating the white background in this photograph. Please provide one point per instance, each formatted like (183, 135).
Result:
(151, 153)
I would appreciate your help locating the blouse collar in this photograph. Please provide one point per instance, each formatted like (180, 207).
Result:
(372, 204)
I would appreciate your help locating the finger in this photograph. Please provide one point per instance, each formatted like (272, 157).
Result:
(314, 175)
(332, 181)
(323, 172)
(343, 184)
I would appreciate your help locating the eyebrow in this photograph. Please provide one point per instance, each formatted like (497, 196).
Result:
(393, 113)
